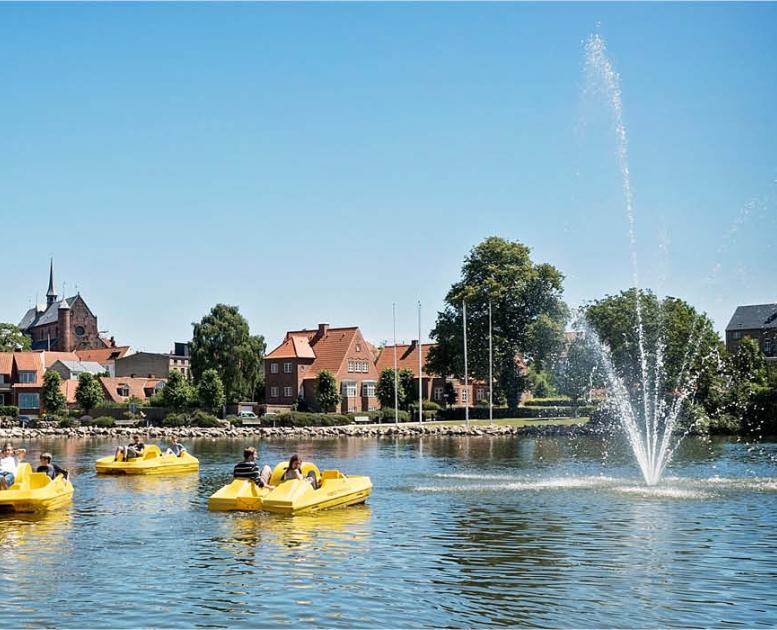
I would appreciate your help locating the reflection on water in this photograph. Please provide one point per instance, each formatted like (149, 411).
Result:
(458, 532)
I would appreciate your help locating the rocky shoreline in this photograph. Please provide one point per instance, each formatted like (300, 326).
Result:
(269, 433)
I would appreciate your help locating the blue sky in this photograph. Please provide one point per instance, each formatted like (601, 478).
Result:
(319, 162)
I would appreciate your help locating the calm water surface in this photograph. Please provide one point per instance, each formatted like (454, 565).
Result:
(458, 532)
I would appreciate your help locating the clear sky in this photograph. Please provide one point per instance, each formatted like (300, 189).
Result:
(315, 163)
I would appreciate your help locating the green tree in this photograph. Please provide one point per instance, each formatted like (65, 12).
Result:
(385, 389)
(54, 401)
(528, 316)
(222, 341)
(408, 388)
(579, 370)
(691, 349)
(89, 392)
(327, 395)
(177, 393)
(450, 395)
(12, 339)
(210, 391)
(748, 381)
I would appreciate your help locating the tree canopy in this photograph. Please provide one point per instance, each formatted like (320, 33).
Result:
(327, 395)
(210, 391)
(54, 401)
(12, 339)
(177, 393)
(528, 316)
(222, 341)
(89, 392)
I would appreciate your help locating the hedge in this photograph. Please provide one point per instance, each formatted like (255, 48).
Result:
(305, 419)
(385, 414)
(103, 421)
(204, 420)
(8, 411)
(175, 420)
(556, 402)
(481, 413)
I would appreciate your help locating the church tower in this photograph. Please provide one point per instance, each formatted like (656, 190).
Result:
(51, 294)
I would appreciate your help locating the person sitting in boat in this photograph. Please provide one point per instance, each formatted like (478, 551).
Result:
(175, 447)
(135, 449)
(249, 469)
(51, 469)
(294, 471)
(9, 465)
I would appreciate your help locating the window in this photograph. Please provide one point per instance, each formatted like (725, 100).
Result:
(2, 379)
(29, 401)
(27, 377)
(350, 365)
(358, 347)
(464, 394)
(481, 393)
(273, 368)
(273, 392)
(767, 346)
(123, 389)
(368, 390)
(438, 393)
(365, 367)
(287, 367)
(287, 392)
(737, 334)
(80, 331)
(349, 390)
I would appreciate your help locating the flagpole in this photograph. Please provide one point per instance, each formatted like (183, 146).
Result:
(396, 373)
(466, 374)
(490, 367)
(420, 369)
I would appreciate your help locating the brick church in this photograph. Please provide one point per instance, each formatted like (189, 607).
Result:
(62, 325)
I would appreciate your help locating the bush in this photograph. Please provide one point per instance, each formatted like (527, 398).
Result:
(386, 414)
(8, 411)
(105, 422)
(68, 423)
(204, 420)
(304, 419)
(549, 402)
(175, 420)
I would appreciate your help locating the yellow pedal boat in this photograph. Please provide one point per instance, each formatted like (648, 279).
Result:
(152, 462)
(294, 496)
(36, 492)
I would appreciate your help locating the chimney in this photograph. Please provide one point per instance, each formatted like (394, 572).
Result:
(65, 341)
(413, 344)
(113, 342)
(323, 329)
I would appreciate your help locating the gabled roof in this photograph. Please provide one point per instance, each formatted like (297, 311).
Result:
(137, 386)
(755, 316)
(6, 362)
(294, 346)
(407, 357)
(28, 361)
(102, 355)
(69, 387)
(33, 317)
(50, 358)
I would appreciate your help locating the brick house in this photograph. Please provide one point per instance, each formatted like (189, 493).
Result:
(120, 389)
(154, 364)
(432, 386)
(21, 379)
(106, 357)
(291, 369)
(758, 321)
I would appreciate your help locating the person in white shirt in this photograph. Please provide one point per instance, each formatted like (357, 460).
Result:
(9, 465)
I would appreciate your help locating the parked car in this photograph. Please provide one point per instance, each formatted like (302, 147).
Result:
(247, 414)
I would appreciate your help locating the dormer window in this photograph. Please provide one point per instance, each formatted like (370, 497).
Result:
(123, 390)
(26, 376)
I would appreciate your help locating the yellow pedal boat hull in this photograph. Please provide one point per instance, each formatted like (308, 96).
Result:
(152, 462)
(36, 492)
(241, 494)
(294, 496)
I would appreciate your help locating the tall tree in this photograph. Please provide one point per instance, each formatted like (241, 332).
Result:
(54, 401)
(177, 392)
(210, 391)
(222, 341)
(579, 370)
(385, 389)
(89, 392)
(528, 316)
(12, 339)
(327, 395)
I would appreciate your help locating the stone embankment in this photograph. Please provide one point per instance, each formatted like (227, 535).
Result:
(261, 433)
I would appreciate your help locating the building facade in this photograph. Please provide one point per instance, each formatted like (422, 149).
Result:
(757, 321)
(154, 364)
(291, 369)
(21, 379)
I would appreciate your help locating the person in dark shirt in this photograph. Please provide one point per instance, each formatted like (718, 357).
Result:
(51, 469)
(135, 449)
(248, 469)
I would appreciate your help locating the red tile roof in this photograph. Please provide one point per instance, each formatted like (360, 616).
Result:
(293, 347)
(136, 386)
(6, 362)
(68, 388)
(407, 357)
(102, 355)
(28, 361)
(50, 358)
(328, 351)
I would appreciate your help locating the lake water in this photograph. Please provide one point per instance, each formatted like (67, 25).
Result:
(458, 532)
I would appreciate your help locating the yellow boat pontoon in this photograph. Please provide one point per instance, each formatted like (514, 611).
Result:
(151, 462)
(294, 496)
(35, 492)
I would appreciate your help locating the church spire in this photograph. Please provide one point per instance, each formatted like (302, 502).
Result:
(51, 294)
